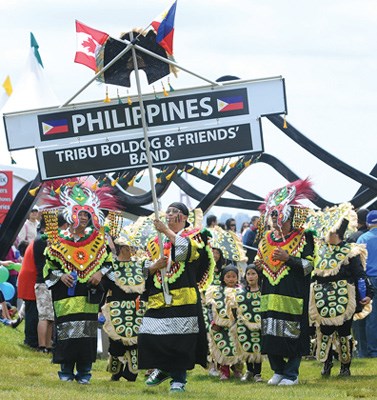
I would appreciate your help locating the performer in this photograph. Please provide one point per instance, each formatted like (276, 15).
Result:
(285, 254)
(334, 298)
(248, 324)
(172, 337)
(124, 309)
(223, 349)
(80, 250)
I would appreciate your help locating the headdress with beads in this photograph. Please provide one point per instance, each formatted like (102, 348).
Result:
(284, 201)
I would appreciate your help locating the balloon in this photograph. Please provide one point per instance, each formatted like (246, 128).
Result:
(7, 290)
(4, 274)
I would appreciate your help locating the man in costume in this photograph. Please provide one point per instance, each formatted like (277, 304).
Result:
(334, 298)
(80, 250)
(285, 254)
(172, 337)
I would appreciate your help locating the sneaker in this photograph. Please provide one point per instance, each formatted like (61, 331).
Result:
(177, 387)
(16, 322)
(247, 377)
(83, 381)
(157, 377)
(65, 379)
(288, 382)
(258, 378)
(275, 379)
(213, 372)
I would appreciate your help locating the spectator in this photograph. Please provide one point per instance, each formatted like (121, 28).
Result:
(211, 221)
(370, 240)
(230, 225)
(249, 238)
(361, 225)
(245, 225)
(29, 230)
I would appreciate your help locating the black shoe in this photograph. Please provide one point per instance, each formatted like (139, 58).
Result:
(128, 375)
(16, 322)
(326, 370)
(345, 370)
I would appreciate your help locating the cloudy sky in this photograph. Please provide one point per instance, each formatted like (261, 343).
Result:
(325, 50)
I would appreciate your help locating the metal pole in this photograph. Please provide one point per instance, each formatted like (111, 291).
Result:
(167, 295)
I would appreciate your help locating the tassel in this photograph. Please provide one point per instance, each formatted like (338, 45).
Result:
(158, 177)
(168, 177)
(52, 192)
(129, 101)
(114, 181)
(206, 172)
(119, 99)
(170, 86)
(221, 168)
(140, 177)
(13, 162)
(248, 162)
(101, 183)
(58, 190)
(240, 164)
(233, 164)
(285, 126)
(34, 191)
(132, 181)
(107, 98)
(95, 185)
(155, 95)
(213, 169)
(190, 169)
(164, 90)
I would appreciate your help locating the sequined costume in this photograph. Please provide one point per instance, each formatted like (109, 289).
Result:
(248, 325)
(174, 336)
(334, 298)
(124, 311)
(285, 293)
(223, 348)
(76, 319)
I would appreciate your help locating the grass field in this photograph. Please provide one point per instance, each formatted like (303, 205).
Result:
(25, 374)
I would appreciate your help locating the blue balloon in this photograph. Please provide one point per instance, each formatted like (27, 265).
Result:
(7, 290)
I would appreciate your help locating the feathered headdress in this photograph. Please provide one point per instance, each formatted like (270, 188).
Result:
(75, 196)
(285, 200)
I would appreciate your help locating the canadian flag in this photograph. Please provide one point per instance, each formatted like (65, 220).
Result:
(89, 40)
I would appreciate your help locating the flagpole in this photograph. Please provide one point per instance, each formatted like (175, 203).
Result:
(165, 288)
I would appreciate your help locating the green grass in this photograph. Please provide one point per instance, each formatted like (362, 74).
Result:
(25, 374)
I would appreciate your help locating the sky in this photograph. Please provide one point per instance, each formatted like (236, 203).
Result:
(325, 50)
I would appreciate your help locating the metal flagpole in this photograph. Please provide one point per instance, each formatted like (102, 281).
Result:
(167, 295)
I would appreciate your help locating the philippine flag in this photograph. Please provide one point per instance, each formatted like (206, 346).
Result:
(164, 28)
(55, 126)
(230, 103)
(88, 41)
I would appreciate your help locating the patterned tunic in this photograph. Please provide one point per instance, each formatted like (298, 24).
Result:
(76, 319)
(124, 310)
(285, 294)
(173, 337)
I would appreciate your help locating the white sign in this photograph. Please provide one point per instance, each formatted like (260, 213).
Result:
(188, 110)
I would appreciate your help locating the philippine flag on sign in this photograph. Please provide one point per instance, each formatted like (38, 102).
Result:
(55, 126)
(230, 103)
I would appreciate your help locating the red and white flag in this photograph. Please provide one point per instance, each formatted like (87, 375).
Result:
(89, 40)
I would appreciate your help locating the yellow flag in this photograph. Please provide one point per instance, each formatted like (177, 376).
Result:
(7, 85)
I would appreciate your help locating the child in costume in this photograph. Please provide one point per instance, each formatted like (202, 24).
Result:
(223, 349)
(248, 326)
(124, 309)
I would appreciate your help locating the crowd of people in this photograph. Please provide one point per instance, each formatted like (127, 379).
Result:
(174, 294)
